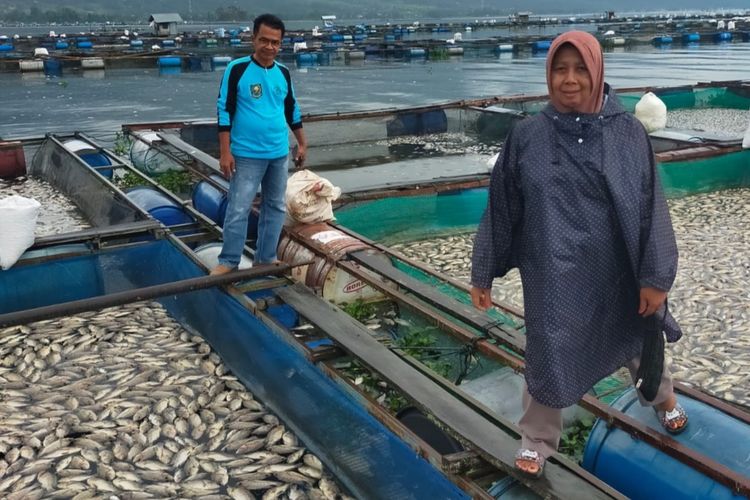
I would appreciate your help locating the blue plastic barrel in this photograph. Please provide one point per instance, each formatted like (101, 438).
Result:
(235, 41)
(416, 52)
(637, 470)
(691, 38)
(171, 61)
(91, 155)
(168, 43)
(82, 39)
(98, 160)
(360, 37)
(403, 124)
(541, 45)
(434, 122)
(428, 122)
(161, 208)
(52, 67)
(509, 488)
(723, 36)
(84, 45)
(661, 40)
(210, 201)
(306, 59)
(136, 43)
(6, 47)
(337, 38)
(60, 45)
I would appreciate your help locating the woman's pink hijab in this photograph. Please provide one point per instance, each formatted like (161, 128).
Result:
(591, 53)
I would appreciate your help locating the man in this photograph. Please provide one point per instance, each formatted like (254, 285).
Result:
(256, 107)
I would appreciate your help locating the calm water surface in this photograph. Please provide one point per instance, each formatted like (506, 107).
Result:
(98, 102)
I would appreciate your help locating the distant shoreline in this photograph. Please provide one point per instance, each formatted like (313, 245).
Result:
(23, 29)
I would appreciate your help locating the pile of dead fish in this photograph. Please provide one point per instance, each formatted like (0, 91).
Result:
(710, 297)
(449, 143)
(718, 120)
(57, 214)
(126, 404)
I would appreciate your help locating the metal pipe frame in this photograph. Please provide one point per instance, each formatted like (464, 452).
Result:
(136, 295)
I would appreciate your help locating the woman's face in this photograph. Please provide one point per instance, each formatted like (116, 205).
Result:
(570, 80)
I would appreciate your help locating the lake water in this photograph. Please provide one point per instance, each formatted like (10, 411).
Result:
(98, 102)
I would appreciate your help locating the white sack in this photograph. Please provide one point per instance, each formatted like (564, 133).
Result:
(652, 112)
(309, 197)
(17, 224)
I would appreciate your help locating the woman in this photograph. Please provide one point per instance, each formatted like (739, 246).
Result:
(576, 205)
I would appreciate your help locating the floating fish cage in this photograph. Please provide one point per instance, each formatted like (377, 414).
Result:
(280, 324)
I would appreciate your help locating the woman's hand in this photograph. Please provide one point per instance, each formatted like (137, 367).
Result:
(481, 298)
(651, 300)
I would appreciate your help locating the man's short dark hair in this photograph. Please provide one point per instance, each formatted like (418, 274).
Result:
(269, 20)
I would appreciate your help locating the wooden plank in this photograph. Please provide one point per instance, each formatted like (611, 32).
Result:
(117, 230)
(487, 439)
(465, 312)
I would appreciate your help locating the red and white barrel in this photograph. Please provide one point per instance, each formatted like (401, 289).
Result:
(322, 274)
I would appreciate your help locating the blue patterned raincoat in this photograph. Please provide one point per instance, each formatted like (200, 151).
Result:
(576, 205)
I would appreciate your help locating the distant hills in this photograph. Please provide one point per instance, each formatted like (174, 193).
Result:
(133, 10)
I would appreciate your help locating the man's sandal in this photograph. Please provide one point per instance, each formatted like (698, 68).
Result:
(531, 458)
(674, 421)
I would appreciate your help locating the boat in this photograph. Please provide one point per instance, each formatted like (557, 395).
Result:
(256, 323)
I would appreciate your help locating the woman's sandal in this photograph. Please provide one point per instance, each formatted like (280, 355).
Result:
(530, 457)
(674, 421)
